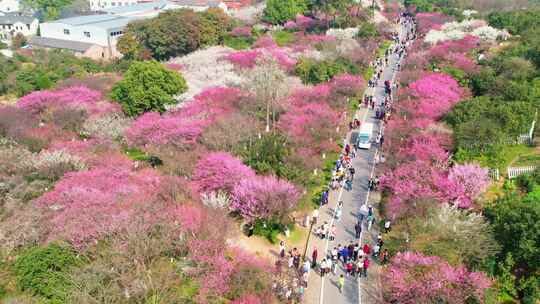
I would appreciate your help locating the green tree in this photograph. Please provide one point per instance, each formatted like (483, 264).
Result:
(313, 72)
(44, 271)
(49, 8)
(173, 33)
(148, 86)
(516, 223)
(279, 11)
(367, 30)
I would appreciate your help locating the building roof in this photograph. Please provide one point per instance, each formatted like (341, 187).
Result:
(104, 21)
(127, 9)
(11, 18)
(209, 3)
(60, 44)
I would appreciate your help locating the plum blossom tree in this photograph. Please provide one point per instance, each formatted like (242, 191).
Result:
(75, 97)
(264, 197)
(220, 171)
(470, 180)
(182, 127)
(415, 278)
(85, 206)
(313, 125)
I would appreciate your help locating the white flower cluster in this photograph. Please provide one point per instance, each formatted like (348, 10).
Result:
(204, 68)
(458, 30)
(347, 33)
(109, 126)
(49, 159)
(468, 13)
(216, 200)
(488, 33)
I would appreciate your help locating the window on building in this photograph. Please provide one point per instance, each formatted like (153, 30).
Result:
(66, 31)
(87, 34)
(28, 26)
(113, 3)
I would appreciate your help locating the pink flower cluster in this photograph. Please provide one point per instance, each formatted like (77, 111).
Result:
(433, 95)
(430, 21)
(248, 59)
(88, 205)
(347, 84)
(264, 197)
(241, 31)
(301, 23)
(312, 124)
(78, 97)
(414, 278)
(220, 171)
(185, 125)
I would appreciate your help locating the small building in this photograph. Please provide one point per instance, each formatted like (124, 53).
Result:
(13, 23)
(9, 6)
(93, 36)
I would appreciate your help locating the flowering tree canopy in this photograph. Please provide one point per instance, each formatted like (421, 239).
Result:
(220, 171)
(414, 278)
(264, 197)
(183, 126)
(77, 97)
(85, 206)
(470, 180)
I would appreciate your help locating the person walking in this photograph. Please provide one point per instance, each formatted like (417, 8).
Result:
(358, 229)
(314, 258)
(366, 266)
(370, 220)
(387, 226)
(359, 268)
(282, 249)
(341, 283)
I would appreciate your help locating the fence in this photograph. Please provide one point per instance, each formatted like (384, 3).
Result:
(514, 172)
(494, 174)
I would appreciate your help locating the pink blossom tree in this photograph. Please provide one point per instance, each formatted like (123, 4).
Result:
(264, 197)
(182, 127)
(469, 180)
(88, 205)
(413, 278)
(220, 171)
(347, 84)
(313, 124)
(78, 97)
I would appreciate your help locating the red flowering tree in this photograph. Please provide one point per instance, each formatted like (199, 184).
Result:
(264, 197)
(220, 171)
(413, 278)
(313, 125)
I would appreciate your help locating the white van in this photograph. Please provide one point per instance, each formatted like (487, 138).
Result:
(364, 136)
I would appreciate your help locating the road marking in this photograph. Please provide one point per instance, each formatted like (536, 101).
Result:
(326, 246)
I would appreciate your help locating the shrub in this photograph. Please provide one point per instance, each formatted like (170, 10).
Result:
(314, 72)
(44, 271)
(279, 11)
(148, 86)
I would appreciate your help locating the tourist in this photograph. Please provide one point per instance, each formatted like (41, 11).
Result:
(341, 283)
(358, 229)
(387, 227)
(314, 257)
(281, 249)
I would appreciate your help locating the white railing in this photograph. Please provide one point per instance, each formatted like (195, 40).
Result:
(514, 172)
(494, 174)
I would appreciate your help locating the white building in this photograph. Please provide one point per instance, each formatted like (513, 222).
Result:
(92, 36)
(9, 6)
(95, 36)
(13, 23)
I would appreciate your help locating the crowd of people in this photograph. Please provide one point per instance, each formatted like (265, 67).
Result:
(354, 258)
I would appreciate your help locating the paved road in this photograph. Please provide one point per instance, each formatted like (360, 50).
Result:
(352, 200)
